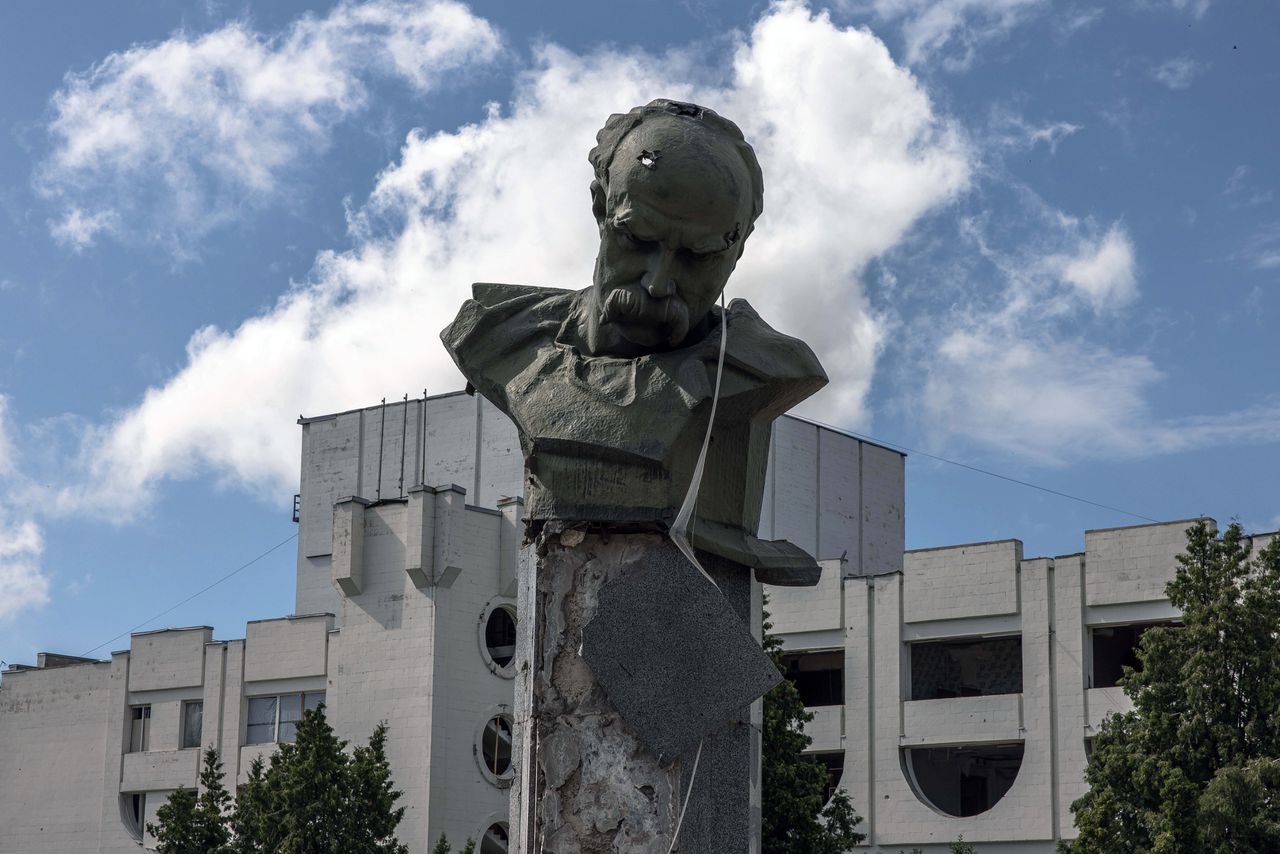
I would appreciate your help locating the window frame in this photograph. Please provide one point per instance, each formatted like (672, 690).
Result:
(306, 702)
(140, 735)
(185, 733)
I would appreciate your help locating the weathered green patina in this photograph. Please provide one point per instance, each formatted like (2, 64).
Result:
(611, 387)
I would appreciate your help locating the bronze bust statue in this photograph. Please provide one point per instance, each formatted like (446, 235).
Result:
(611, 387)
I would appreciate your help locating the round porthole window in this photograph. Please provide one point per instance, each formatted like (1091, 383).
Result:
(494, 840)
(493, 748)
(498, 637)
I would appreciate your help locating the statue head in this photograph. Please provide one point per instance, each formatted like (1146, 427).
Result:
(676, 193)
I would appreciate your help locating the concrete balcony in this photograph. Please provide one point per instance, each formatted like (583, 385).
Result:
(1103, 701)
(826, 729)
(159, 770)
(962, 720)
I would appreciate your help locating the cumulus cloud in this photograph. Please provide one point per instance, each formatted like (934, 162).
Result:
(949, 31)
(173, 138)
(1178, 73)
(1102, 269)
(848, 169)
(1020, 362)
(23, 583)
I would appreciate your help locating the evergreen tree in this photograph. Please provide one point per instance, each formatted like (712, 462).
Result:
(374, 823)
(311, 795)
(441, 846)
(191, 824)
(249, 818)
(176, 832)
(794, 784)
(1196, 765)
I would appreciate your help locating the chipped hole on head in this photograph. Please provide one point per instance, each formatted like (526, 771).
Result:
(649, 159)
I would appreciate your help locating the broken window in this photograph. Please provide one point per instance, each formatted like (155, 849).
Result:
(963, 781)
(495, 746)
(834, 763)
(966, 668)
(494, 840)
(500, 635)
(1114, 648)
(140, 729)
(818, 676)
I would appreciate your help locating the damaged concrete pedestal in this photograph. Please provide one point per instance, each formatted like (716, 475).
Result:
(636, 661)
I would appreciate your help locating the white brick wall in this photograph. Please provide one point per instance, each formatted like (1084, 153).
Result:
(1125, 565)
(976, 580)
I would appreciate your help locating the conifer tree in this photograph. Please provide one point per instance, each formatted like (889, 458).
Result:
(794, 784)
(1196, 765)
(374, 823)
(191, 824)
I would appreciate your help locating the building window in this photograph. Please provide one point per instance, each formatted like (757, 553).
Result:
(1114, 649)
(494, 840)
(834, 763)
(192, 723)
(500, 635)
(963, 781)
(493, 750)
(497, 635)
(966, 668)
(133, 813)
(140, 729)
(818, 677)
(275, 719)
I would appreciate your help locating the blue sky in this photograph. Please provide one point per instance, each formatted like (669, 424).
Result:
(1038, 237)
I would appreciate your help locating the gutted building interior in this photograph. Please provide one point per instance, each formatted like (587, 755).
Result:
(1115, 648)
(964, 781)
(966, 668)
(818, 676)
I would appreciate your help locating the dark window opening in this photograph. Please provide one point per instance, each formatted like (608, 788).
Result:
(834, 763)
(494, 840)
(1115, 648)
(500, 636)
(964, 781)
(968, 668)
(495, 746)
(818, 676)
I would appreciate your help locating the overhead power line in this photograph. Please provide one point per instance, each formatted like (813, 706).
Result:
(987, 472)
(200, 592)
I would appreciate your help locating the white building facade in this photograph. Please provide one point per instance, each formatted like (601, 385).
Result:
(405, 612)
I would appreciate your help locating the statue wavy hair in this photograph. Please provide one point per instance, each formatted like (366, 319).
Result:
(615, 130)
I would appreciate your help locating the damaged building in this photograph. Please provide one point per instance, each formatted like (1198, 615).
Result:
(954, 690)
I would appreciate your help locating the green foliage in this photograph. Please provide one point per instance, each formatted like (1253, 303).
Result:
(313, 798)
(1194, 766)
(191, 824)
(794, 784)
(442, 846)
(962, 847)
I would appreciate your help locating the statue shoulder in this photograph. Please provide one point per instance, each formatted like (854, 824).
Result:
(756, 346)
(517, 310)
(492, 295)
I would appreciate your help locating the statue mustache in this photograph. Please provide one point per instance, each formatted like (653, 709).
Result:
(634, 304)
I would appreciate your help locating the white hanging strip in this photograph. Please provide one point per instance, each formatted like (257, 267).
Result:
(679, 532)
(693, 775)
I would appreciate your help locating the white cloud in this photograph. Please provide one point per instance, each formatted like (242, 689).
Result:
(1196, 8)
(22, 583)
(848, 169)
(1102, 269)
(949, 30)
(1178, 73)
(1010, 130)
(168, 140)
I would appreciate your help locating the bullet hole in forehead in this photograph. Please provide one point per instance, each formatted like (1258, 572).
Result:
(649, 159)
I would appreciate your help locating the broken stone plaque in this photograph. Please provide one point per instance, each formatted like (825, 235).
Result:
(671, 654)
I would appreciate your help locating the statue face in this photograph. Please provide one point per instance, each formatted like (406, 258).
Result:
(674, 215)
